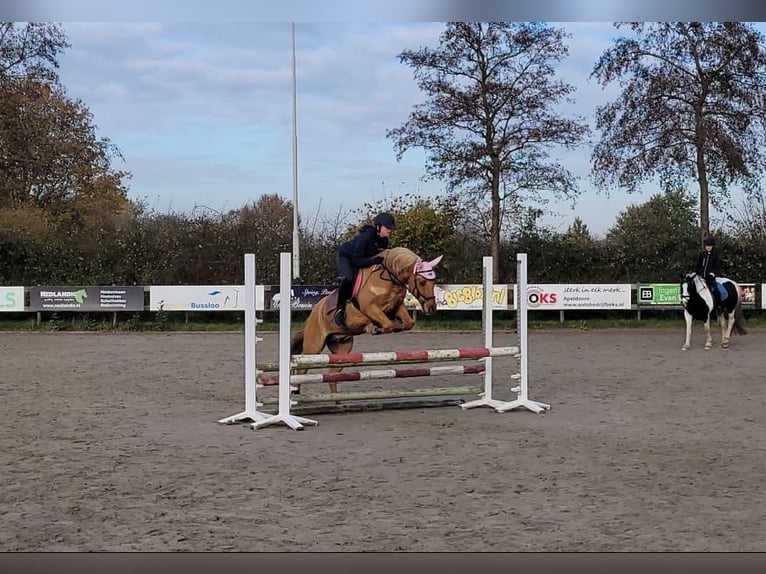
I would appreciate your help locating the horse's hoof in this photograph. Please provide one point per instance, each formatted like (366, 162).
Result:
(708, 347)
(724, 345)
(685, 348)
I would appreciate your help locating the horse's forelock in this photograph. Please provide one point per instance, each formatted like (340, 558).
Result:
(399, 259)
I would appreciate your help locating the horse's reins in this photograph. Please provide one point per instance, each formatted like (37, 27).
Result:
(394, 279)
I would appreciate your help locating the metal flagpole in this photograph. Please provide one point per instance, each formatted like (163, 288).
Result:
(296, 236)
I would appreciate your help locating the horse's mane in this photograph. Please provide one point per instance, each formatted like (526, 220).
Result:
(399, 259)
(694, 279)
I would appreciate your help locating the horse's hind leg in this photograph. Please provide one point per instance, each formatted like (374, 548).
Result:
(314, 340)
(338, 344)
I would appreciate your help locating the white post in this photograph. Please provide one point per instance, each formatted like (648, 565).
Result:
(521, 320)
(251, 404)
(284, 416)
(487, 323)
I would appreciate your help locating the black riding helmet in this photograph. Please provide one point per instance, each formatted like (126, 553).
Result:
(709, 240)
(385, 219)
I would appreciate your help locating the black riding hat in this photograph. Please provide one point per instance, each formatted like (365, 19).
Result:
(385, 219)
(709, 240)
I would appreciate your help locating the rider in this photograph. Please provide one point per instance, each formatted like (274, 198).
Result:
(360, 251)
(708, 266)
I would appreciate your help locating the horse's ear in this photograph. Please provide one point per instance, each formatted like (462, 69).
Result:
(435, 262)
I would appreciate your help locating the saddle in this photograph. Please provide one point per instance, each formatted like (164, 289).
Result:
(722, 292)
(332, 298)
(719, 293)
(357, 286)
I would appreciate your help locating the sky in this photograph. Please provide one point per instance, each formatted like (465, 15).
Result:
(203, 112)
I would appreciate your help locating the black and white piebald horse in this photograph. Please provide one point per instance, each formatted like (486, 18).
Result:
(700, 304)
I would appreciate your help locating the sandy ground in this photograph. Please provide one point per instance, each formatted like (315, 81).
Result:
(110, 442)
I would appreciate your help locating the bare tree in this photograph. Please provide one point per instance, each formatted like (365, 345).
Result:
(748, 219)
(490, 118)
(691, 107)
(30, 50)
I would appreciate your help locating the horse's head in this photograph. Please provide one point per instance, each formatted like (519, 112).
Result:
(686, 288)
(412, 272)
(422, 283)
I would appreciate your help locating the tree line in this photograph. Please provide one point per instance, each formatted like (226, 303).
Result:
(651, 242)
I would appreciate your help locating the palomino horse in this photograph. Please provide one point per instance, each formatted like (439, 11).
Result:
(379, 293)
(698, 303)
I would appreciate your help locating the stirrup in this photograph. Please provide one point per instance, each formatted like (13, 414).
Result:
(340, 318)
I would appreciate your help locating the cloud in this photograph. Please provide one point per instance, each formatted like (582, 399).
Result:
(203, 111)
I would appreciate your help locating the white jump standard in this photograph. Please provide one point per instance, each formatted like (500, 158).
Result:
(251, 411)
(284, 416)
(522, 401)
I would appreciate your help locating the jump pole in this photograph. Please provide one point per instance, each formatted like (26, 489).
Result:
(392, 357)
(376, 374)
(384, 394)
(284, 416)
(522, 401)
(251, 411)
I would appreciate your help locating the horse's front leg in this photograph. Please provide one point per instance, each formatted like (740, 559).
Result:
(379, 317)
(726, 328)
(708, 336)
(403, 314)
(688, 340)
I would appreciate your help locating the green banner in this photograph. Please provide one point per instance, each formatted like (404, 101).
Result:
(659, 294)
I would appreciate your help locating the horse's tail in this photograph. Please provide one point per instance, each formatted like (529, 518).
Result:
(296, 341)
(739, 319)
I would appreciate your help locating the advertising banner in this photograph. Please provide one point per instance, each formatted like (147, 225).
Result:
(302, 297)
(80, 298)
(670, 294)
(659, 294)
(448, 297)
(747, 294)
(202, 298)
(462, 297)
(550, 297)
(11, 299)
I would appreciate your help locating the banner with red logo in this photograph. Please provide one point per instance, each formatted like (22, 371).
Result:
(578, 296)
